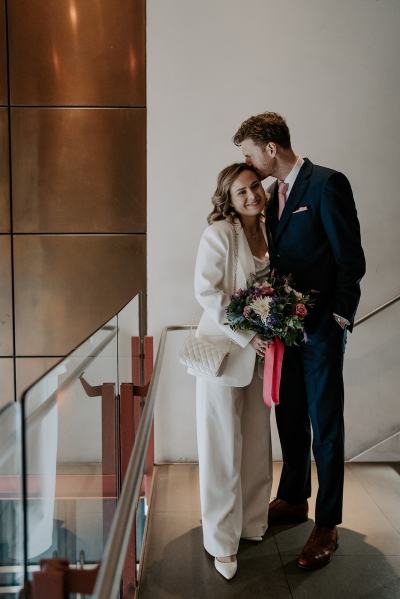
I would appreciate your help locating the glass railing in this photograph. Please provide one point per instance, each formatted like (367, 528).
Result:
(71, 469)
(11, 512)
(76, 435)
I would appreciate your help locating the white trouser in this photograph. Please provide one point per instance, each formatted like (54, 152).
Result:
(235, 463)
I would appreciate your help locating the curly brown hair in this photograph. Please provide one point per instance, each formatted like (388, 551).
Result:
(221, 199)
(263, 128)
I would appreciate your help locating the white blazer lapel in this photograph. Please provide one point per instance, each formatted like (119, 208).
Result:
(245, 259)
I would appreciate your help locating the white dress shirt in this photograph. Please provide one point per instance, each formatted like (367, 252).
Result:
(292, 176)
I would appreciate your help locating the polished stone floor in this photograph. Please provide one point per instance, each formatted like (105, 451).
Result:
(365, 566)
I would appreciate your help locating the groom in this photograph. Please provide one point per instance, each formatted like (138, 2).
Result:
(314, 234)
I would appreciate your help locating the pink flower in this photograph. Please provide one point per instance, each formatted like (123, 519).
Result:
(267, 289)
(300, 310)
(246, 311)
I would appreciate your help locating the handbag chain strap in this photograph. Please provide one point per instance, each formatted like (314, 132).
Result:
(235, 255)
(235, 265)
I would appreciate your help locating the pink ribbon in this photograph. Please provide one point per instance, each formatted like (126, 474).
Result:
(272, 372)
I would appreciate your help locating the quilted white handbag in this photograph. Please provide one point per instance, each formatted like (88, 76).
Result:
(198, 354)
(203, 357)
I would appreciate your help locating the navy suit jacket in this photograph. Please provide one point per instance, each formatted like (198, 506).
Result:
(319, 246)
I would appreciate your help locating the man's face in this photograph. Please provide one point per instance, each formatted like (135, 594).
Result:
(261, 157)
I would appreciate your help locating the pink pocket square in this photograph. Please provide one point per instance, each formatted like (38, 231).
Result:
(301, 209)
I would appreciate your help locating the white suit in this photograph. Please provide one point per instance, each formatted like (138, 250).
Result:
(233, 424)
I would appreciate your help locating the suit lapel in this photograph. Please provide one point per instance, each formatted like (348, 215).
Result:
(295, 197)
(272, 212)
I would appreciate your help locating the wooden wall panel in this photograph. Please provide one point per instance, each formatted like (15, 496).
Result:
(4, 173)
(67, 286)
(6, 381)
(6, 335)
(79, 170)
(3, 56)
(77, 52)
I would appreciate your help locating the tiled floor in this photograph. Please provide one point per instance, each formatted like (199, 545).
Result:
(365, 566)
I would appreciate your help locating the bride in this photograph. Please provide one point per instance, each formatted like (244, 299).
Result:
(233, 423)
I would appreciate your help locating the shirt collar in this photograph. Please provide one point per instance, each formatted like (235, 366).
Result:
(291, 178)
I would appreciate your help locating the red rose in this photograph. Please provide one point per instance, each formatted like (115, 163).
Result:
(300, 310)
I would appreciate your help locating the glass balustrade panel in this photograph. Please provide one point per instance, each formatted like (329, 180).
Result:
(11, 513)
(71, 461)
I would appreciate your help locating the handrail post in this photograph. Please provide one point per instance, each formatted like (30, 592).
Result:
(129, 420)
(109, 454)
(130, 410)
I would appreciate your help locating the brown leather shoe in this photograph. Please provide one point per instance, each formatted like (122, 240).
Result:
(283, 512)
(318, 550)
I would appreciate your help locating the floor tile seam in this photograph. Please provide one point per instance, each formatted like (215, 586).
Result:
(359, 480)
(376, 504)
(346, 555)
(354, 471)
(283, 566)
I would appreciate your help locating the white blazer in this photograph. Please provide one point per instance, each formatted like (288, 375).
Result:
(213, 283)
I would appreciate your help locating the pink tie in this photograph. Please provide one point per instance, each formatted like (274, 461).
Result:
(282, 191)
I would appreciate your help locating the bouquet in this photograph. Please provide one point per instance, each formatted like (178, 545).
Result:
(271, 308)
(276, 311)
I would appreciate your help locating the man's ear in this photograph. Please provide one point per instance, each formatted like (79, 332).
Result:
(270, 148)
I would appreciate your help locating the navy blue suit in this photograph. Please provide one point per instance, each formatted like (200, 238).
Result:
(321, 247)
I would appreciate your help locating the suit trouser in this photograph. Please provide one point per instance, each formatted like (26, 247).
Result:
(312, 390)
(235, 463)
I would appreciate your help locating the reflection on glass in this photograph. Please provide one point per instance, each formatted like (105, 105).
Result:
(11, 522)
(141, 515)
(71, 465)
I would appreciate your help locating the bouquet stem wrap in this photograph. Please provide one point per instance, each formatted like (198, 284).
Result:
(272, 372)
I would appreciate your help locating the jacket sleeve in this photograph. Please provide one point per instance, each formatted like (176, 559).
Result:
(209, 282)
(340, 221)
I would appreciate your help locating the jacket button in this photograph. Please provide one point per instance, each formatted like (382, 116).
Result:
(278, 255)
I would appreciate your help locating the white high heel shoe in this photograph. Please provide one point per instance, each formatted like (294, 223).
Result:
(258, 539)
(226, 569)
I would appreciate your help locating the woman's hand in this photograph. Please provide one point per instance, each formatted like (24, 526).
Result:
(259, 345)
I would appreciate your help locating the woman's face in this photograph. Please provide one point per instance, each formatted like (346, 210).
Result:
(247, 194)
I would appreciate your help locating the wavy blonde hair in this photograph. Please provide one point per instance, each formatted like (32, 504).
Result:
(221, 199)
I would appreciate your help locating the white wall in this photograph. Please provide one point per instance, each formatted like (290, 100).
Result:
(331, 69)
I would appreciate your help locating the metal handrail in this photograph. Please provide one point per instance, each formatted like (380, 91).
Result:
(377, 310)
(41, 411)
(109, 576)
(44, 408)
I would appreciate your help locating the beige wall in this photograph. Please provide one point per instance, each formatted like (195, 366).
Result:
(331, 69)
